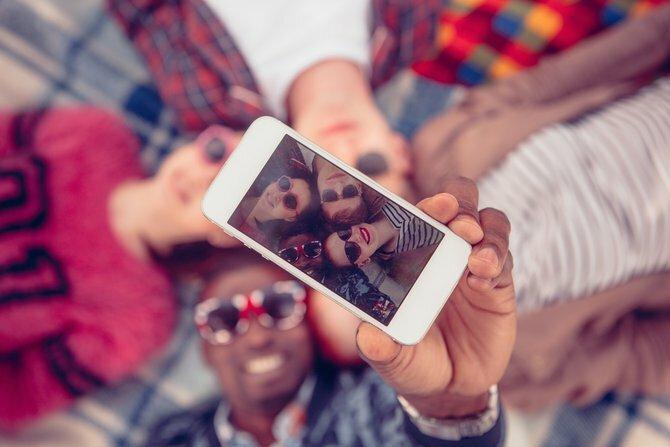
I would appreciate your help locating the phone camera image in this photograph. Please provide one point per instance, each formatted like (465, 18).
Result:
(358, 243)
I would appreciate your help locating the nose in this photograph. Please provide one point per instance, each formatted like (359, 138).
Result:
(257, 337)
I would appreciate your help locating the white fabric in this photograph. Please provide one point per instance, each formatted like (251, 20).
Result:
(589, 201)
(281, 38)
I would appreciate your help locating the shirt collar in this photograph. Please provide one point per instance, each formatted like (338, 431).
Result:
(287, 428)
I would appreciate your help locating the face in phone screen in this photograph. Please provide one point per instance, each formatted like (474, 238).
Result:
(355, 241)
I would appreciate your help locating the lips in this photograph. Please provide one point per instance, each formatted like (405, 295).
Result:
(365, 234)
(264, 364)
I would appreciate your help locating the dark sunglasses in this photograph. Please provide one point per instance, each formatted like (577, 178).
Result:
(214, 142)
(280, 306)
(348, 192)
(351, 249)
(285, 184)
(311, 250)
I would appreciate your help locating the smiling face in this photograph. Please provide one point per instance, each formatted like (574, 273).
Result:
(312, 265)
(341, 195)
(284, 199)
(262, 368)
(365, 236)
(183, 179)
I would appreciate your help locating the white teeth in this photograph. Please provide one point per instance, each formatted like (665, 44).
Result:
(261, 365)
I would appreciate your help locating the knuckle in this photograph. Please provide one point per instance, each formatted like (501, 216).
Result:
(498, 218)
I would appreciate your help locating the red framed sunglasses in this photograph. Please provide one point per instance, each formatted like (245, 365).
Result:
(280, 306)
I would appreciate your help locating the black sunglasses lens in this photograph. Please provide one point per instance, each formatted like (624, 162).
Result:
(312, 249)
(349, 191)
(215, 149)
(328, 195)
(290, 201)
(353, 251)
(284, 183)
(344, 234)
(279, 305)
(224, 317)
(289, 254)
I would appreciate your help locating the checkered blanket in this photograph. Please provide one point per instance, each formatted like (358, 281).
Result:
(63, 51)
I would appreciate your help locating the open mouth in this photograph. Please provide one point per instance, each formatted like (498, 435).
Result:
(365, 234)
(264, 364)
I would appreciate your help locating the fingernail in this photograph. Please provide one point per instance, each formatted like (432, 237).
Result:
(487, 254)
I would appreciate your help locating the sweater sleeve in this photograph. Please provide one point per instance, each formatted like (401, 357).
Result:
(623, 53)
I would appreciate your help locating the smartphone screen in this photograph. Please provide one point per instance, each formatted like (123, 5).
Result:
(360, 244)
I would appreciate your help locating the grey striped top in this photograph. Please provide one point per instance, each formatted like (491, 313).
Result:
(589, 201)
(413, 232)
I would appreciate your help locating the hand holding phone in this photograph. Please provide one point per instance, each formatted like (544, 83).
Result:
(337, 230)
(468, 347)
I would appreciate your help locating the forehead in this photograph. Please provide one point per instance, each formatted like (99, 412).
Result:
(243, 280)
(297, 239)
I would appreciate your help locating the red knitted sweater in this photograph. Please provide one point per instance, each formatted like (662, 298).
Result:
(76, 310)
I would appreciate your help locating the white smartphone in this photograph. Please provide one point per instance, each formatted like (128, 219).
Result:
(336, 230)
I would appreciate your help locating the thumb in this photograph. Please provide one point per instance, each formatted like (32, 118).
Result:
(377, 348)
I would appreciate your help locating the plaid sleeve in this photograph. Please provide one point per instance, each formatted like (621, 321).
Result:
(403, 32)
(197, 68)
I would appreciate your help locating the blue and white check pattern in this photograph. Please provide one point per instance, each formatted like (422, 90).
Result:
(54, 52)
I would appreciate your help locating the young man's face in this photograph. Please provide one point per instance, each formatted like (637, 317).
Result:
(262, 367)
(312, 265)
(338, 191)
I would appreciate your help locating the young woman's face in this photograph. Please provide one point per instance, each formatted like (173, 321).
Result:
(184, 178)
(283, 199)
(338, 191)
(354, 246)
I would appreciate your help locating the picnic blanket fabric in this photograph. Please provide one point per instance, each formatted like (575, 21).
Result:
(63, 51)
(480, 40)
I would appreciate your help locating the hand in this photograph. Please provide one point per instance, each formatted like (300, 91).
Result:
(468, 347)
(331, 103)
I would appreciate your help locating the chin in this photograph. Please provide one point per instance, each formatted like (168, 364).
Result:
(274, 396)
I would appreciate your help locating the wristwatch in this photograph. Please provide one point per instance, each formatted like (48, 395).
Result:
(455, 429)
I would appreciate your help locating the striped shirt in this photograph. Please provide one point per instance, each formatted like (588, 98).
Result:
(589, 200)
(413, 232)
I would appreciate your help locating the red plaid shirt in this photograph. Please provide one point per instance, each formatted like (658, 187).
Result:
(201, 74)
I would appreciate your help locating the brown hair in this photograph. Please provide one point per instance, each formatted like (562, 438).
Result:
(347, 218)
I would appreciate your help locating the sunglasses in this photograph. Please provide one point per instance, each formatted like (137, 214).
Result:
(214, 142)
(285, 184)
(280, 306)
(311, 250)
(351, 249)
(348, 192)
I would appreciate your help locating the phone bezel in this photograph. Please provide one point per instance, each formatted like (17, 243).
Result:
(438, 279)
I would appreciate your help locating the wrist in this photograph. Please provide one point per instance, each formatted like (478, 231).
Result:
(449, 405)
